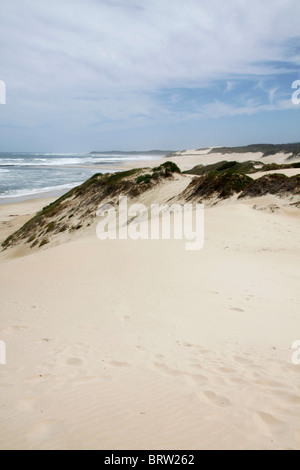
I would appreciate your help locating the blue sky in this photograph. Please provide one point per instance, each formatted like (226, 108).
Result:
(141, 74)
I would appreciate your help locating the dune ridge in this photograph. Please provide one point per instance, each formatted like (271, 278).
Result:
(123, 344)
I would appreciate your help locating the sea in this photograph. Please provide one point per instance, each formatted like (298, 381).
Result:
(30, 175)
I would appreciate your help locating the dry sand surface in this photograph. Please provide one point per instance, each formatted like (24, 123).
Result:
(14, 215)
(144, 345)
(187, 159)
(288, 172)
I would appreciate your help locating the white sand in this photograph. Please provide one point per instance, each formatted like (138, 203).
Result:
(288, 172)
(14, 215)
(187, 159)
(143, 345)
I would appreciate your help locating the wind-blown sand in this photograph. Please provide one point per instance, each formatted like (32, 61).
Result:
(144, 345)
(14, 215)
(187, 159)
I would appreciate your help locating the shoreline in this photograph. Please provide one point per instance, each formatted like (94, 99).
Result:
(32, 197)
(141, 344)
(185, 159)
(98, 168)
(11, 199)
(17, 210)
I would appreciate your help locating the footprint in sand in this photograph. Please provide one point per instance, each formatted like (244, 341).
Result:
(242, 360)
(74, 361)
(198, 379)
(197, 365)
(159, 356)
(167, 370)
(268, 383)
(268, 424)
(238, 380)
(75, 355)
(237, 309)
(118, 364)
(215, 399)
(292, 399)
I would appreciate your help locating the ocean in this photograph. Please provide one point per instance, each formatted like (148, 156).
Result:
(28, 175)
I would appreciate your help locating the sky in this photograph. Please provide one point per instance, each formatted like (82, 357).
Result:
(85, 75)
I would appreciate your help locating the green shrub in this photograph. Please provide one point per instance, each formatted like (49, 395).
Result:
(30, 239)
(144, 179)
(44, 242)
(220, 184)
(171, 167)
(50, 226)
(7, 241)
(114, 178)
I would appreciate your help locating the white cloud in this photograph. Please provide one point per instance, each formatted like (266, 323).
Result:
(219, 109)
(88, 61)
(230, 86)
(120, 44)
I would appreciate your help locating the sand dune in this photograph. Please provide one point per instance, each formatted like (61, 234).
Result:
(123, 344)
(141, 344)
(187, 159)
(14, 215)
(288, 172)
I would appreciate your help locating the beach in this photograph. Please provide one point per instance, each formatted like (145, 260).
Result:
(142, 344)
(14, 214)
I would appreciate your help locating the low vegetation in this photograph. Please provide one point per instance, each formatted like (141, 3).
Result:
(77, 208)
(220, 185)
(247, 167)
(274, 183)
(163, 171)
(266, 149)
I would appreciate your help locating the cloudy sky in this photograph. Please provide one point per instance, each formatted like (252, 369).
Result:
(82, 75)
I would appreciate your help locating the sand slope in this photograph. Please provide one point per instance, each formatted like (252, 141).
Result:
(187, 159)
(141, 344)
(14, 215)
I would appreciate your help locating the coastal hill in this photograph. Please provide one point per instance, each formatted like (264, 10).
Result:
(290, 151)
(266, 149)
(213, 184)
